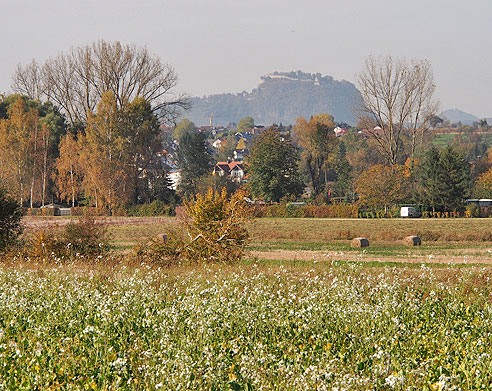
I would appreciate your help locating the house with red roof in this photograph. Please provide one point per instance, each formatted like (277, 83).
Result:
(234, 170)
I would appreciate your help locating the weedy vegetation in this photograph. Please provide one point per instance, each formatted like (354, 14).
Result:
(191, 313)
(212, 230)
(246, 327)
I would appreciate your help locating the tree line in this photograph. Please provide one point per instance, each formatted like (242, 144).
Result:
(85, 126)
(85, 129)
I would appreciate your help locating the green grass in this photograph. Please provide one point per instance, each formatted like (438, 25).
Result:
(441, 237)
(393, 250)
(362, 265)
(445, 139)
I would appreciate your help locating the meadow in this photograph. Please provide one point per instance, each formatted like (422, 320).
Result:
(310, 239)
(337, 319)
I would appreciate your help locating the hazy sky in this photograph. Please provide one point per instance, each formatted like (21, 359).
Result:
(226, 45)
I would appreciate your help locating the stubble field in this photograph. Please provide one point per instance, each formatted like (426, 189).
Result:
(303, 311)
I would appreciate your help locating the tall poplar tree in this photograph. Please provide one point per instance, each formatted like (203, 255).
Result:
(18, 138)
(318, 144)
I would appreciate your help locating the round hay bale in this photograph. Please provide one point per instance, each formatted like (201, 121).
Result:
(359, 242)
(161, 238)
(412, 241)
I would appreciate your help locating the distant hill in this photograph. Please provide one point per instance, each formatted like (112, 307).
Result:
(456, 115)
(281, 97)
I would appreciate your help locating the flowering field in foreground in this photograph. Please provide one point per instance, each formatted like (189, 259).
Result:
(246, 327)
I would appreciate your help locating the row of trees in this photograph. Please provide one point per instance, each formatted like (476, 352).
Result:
(442, 182)
(441, 179)
(86, 126)
(111, 161)
(29, 137)
(115, 160)
(103, 145)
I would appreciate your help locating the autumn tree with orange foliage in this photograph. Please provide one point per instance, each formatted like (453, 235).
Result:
(68, 174)
(29, 134)
(101, 156)
(18, 147)
(382, 186)
(115, 161)
(483, 186)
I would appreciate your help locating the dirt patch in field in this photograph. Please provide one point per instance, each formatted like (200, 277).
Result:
(324, 256)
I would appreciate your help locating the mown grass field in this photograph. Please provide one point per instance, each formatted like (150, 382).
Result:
(312, 314)
(444, 240)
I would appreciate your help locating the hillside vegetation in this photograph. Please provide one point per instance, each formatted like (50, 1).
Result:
(281, 98)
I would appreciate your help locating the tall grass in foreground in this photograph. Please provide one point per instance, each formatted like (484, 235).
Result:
(246, 328)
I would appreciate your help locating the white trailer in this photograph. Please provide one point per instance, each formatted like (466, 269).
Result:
(409, 211)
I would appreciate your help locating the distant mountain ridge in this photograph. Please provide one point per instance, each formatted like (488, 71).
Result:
(456, 115)
(281, 97)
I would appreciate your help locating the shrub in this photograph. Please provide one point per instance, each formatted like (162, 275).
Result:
(45, 244)
(216, 227)
(318, 211)
(212, 230)
(472, 210)
(166, 253)
(42, 211)
(10, 220)
(84, 238)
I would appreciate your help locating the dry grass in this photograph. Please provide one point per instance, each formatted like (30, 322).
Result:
(455, 240)
(440, 230)
(132, 229)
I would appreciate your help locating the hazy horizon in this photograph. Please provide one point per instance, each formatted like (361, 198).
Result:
(220, 46)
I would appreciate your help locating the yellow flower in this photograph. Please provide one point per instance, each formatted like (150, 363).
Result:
(232, 376)
(437, 386)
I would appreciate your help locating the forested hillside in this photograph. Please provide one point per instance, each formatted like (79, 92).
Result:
(281, 97)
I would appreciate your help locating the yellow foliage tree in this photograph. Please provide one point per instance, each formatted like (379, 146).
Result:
(68, 171)
(241, 144)
(18, 148)
(216, 228)
(483, 186)
(318, 143)
(102, 157)
(382, 186)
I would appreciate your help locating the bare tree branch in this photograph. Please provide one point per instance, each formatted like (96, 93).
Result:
(398, 98)
(77, 80)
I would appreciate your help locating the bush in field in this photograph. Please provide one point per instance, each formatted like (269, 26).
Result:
(84, 238)
(472, 210)
(215, 226)
(212, 230)
(10, 220)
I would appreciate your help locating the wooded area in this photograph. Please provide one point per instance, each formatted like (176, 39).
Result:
(97, 127)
